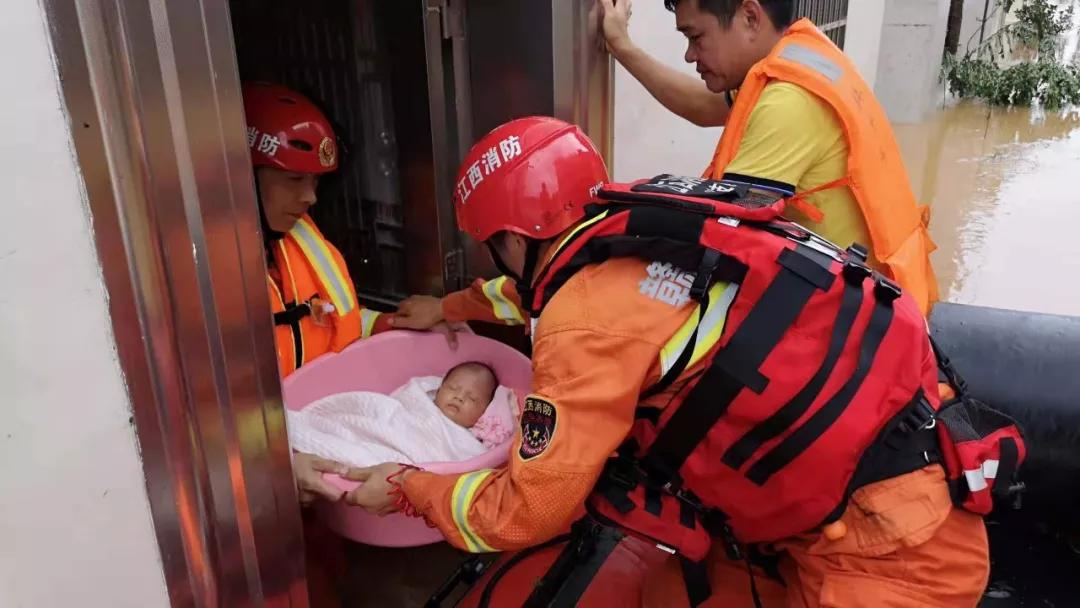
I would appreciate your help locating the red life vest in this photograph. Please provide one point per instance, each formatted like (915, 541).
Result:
(819, 362)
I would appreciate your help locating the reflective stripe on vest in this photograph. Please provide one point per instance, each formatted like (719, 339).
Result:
(721, 295)
(808, 57)
(505, 310)
(580, 227)
(461, 499)
(330, 275)
(367, 322)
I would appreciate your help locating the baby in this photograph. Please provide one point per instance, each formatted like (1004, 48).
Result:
(428, 419)
(465, 392)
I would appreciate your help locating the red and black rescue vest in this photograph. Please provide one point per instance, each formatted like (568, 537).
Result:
(820, 361)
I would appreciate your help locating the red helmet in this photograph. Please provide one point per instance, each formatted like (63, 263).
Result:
(286, 130)
(532, 176)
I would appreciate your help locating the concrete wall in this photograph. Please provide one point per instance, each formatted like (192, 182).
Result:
(909, 61)
(75, 526)
(862, 43)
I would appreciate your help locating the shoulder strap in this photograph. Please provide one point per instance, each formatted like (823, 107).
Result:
(662, 219)
(803, 272)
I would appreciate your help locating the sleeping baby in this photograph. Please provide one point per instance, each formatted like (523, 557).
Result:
(457, 417)
(465, 392)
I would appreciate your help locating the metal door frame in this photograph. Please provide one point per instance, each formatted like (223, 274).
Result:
(154, 103)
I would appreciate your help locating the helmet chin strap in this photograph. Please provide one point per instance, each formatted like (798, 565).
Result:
(269, 234)
(524, 282)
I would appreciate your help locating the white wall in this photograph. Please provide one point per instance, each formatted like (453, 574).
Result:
(909, 62)
(649, 139)
(862, 41)
(75, 526)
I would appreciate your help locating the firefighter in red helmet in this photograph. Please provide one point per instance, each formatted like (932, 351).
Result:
(608, 333)
(311, 293)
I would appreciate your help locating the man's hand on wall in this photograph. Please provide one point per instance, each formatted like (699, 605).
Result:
(616, 24)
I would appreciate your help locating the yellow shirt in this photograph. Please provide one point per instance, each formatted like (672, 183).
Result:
(795, 138)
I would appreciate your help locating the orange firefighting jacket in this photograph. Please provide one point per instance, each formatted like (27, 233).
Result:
(305, 266)
(608, 333)
(876, 174)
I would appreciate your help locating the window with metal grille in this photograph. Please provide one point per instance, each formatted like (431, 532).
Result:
(829, 15)
(332, 51)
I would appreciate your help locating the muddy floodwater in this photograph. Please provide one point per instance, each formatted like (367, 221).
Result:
(1004, 187)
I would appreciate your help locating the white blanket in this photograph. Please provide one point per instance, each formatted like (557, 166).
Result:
(364, 428)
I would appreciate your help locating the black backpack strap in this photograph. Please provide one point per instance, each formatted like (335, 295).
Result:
(591, 544)
(803, 272)
(798, 441)
(293, 314)
(291, 317)
(851, 302)
(947, 371)
(696, 578)
(510, 564)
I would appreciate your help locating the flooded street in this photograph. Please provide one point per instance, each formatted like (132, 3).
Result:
(1003, 187)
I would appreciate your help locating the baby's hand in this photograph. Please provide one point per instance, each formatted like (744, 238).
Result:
(374, 496)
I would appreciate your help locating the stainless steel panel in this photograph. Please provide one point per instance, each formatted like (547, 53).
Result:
(510, 61)
(583, 75)
(433, 224)
(537, 58)
(155, 109)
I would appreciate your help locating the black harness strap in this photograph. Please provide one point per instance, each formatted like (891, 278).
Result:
(684, 357)
(591, 543)
(291, 317)
(505, 568)
(696, 577)
(736, 366)
(774, 425)
(1008, 462)
(803, 272)
(661, 222)
(908, 443)
(815, 427)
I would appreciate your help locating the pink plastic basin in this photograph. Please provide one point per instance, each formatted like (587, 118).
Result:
(381, 364)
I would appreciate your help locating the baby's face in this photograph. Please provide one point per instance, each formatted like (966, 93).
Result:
(465, 394)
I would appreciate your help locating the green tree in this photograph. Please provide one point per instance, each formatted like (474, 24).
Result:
(989, 71)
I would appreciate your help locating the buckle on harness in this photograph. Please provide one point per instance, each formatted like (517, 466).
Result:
(709, 260)
(886, 290)
(858, 252)
(855, 272)
(919, 418)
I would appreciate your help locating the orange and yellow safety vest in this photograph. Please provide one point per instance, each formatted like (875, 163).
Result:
(875, 169)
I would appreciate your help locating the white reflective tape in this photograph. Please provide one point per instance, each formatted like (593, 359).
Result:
(990, 469)
(976, 480)
(812, 59)
(708, 332)
(367, 322)
(503, 307)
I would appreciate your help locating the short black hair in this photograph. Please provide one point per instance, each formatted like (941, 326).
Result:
(781, 12)
(477, 366)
